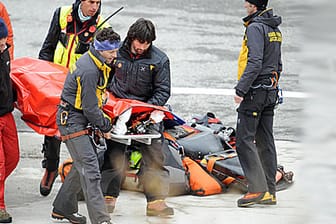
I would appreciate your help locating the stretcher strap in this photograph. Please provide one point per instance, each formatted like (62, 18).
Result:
(211, 163)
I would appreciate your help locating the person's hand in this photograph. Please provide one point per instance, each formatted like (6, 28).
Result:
(107, 135)
(238, 99)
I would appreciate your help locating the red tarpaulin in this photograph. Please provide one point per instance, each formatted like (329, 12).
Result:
(39, 85)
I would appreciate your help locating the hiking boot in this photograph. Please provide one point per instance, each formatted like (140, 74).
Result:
(47, 182)
(5, 216)
(273, 201)
(254, 198)
(159, 208)
(110, 203)
(72, 218)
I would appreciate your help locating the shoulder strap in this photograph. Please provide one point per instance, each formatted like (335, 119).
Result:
(65, 15)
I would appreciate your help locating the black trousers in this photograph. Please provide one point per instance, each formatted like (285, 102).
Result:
(51, 151)
(152, 174)
(255, 141)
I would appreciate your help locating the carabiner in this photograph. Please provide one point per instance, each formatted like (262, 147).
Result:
(64, 117)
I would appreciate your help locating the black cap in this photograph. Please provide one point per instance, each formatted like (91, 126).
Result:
(261, 4)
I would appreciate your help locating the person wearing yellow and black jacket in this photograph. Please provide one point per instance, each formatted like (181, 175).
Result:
(81, 104)
(259, 69)
(70, 33)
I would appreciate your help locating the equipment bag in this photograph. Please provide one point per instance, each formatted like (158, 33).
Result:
(177, 181)
(225, 166)
(198, 145)
(201, 183)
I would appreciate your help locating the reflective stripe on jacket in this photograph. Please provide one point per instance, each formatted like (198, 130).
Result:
(66, 52)
(84, 90)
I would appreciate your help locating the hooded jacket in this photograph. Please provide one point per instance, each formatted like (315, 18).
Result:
(6, 90)
(260, 55)
(145, 78)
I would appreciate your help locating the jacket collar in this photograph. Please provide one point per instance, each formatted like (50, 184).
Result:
(126, 52)
(249, 19)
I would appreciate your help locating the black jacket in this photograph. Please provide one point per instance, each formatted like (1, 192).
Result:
(264, 49)
(6, 90)
(146, 78)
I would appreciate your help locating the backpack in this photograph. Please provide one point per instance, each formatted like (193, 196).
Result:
(201, 182)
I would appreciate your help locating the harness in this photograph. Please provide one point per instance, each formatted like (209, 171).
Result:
(74, 135)
(268, 83)
(95, 134)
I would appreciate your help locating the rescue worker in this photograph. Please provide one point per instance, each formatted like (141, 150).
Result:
(70, 33)
(141, 72)
(10, 39)
(81, 104)
(257, 94)
(9, 145)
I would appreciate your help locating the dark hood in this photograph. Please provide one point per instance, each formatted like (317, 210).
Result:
(268, 18)
(265, 17)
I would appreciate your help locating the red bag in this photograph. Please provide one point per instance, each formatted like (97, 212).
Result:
(201, 182)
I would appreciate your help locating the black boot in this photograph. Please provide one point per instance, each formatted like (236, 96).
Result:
(51, 151)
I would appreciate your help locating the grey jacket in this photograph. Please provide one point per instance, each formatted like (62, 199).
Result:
(264, 49)
(80, 91)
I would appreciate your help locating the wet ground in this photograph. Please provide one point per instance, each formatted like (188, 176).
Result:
(202, 39)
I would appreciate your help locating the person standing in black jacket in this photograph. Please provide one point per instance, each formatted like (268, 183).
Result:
(9, 145)
(141, 72)
(259, 71)
(70, 33)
